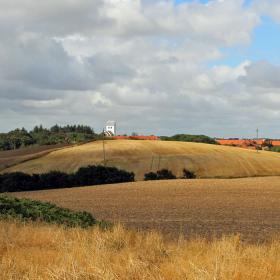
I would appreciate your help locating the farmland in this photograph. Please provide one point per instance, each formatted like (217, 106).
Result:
(207, 161)
(14, 157)
(202, 207)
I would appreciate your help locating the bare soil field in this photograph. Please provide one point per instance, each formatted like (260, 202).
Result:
(195, 208)
(207, 161)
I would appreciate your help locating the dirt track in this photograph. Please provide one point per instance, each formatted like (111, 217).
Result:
(202, 207)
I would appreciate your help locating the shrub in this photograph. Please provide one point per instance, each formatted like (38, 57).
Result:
(30, 210)
(91, 175)
(17, 181)
(96, 175)
(55, 179)
(159, 175)
(187, 174)
(150, 176)
(165, 174)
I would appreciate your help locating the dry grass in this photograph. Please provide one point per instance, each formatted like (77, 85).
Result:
(203, 207)
(39, 252)
(207, 161)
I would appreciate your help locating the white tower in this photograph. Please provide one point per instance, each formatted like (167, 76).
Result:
(110, 128)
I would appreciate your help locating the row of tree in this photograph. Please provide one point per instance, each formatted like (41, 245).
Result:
(69, 134)
(85, 176)
(165, 174)
(190, 138)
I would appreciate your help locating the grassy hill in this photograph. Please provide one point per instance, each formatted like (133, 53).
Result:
(207, 161)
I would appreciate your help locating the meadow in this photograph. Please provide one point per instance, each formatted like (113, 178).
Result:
(201, 207)
(140, 157)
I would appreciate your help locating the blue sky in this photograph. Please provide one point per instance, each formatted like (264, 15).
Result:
(246, 2)
(265, 44)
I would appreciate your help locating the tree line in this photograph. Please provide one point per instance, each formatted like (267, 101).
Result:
(190, 138)
(85, 176)
(39, 135)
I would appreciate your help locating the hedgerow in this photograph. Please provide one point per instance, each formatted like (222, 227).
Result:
(90, 175)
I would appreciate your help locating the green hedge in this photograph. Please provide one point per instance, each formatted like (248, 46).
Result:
(30, 210)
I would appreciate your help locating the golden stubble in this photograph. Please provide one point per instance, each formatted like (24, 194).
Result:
(139, 156)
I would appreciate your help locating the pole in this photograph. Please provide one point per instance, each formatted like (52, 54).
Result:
(104, 155)
(159, 157)
(257, 140)
(152, 163)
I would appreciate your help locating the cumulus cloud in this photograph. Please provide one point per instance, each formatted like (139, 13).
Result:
(143, 63)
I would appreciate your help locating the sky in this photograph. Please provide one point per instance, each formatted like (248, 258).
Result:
(155, 66)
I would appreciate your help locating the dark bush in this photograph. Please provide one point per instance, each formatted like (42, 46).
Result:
(187, 174)
(162, 174)
(97, 175)
(55, 179)
(150, 176)
(17, 181)
(165, 174)
(91, 175)
(30, 210)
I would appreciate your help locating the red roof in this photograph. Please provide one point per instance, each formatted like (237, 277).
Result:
(246, 143)
(275, 142)
(138, 137)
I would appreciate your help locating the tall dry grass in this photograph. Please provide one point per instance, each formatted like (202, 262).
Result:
(35, 251)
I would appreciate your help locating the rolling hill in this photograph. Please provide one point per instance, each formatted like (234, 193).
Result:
(207, 161)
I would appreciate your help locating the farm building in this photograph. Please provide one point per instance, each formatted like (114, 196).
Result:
(110, 128)
(111, 131)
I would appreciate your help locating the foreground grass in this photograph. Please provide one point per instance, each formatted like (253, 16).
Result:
(36, 251)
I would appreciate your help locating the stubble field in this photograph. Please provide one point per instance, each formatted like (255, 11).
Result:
(207, 161)
(14, 157)
(202, 207)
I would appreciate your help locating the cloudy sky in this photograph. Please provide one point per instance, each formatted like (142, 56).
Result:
(155, 66)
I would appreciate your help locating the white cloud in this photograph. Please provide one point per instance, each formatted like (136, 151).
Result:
(143, 63)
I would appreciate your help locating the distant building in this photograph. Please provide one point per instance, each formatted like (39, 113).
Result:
(110, 128)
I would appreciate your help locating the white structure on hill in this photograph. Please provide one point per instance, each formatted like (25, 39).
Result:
(110, 128)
